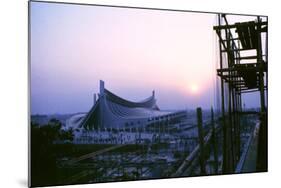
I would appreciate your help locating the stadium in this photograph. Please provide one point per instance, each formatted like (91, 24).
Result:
(113, 112)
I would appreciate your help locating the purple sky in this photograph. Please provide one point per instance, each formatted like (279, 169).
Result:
(134, 51)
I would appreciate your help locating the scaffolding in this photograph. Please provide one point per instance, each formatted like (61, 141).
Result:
(242, 69)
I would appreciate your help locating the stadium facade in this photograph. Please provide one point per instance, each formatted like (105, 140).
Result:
(112, 111)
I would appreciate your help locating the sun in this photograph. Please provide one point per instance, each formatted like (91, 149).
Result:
(193, 88)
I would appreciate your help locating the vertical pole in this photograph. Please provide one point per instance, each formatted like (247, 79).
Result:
(229, 129)
(225, 156)
(235, 107)
(234, 120)
(261, 75)
(201, 141)
(237, 126)
(214, 141)
(262, 146)
(239, 108)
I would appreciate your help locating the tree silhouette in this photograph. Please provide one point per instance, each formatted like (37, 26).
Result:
(43, 151)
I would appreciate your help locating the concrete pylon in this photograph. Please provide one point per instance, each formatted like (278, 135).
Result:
(95, 98)
(102, 103)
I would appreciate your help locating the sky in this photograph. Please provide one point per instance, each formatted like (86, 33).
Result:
(135, 51)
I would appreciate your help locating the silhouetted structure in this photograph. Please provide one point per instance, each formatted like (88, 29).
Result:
(239, 76)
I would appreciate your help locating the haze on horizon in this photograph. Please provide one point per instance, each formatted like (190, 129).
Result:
(134, 51)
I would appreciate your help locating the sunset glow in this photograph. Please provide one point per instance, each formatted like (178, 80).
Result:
(194, 89)
(134, 51)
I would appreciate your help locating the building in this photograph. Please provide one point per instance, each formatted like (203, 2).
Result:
(113, 112)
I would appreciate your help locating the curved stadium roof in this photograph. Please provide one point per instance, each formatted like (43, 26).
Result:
(111, 110)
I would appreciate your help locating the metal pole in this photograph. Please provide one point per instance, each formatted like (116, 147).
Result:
(201, 141)
(230, 98)
(225, 156)
(262, 145)
(214, 141)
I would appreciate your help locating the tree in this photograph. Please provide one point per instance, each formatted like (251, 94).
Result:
(43, 153)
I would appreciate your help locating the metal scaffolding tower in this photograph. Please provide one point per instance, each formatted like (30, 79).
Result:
(242, 73)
